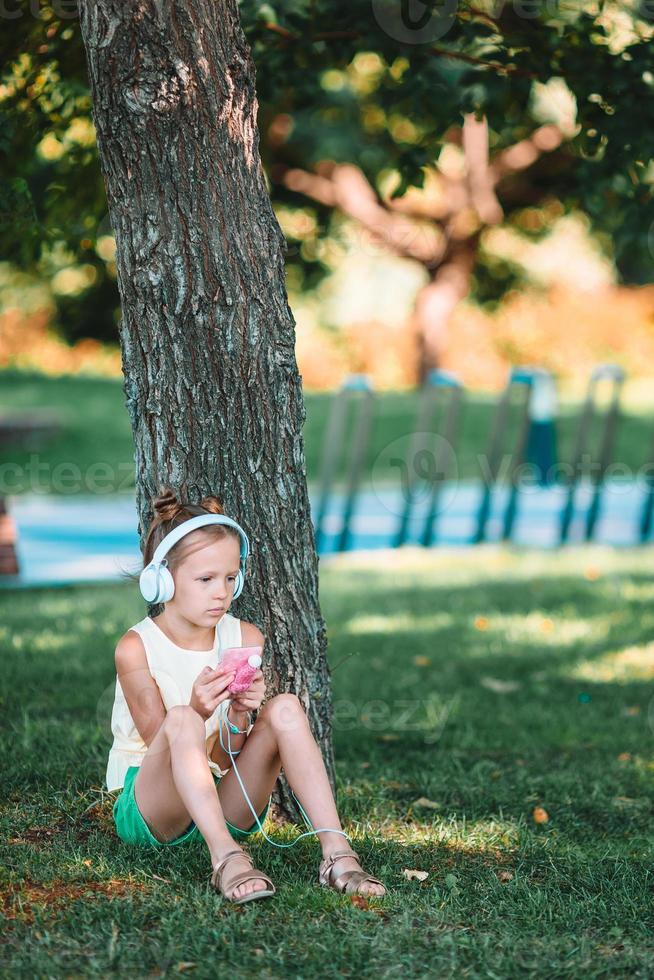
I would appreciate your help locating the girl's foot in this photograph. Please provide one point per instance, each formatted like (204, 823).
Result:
(341, 871)
(235, 876)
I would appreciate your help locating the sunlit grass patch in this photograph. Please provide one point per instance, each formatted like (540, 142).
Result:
(621, 666)
(380, 623)
(477, 747)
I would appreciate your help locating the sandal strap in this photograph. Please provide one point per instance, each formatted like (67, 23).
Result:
(349, 881)
(330, 858)
(228, 857)
(243, 876)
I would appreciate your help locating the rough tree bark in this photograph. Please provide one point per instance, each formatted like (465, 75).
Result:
(211, 380)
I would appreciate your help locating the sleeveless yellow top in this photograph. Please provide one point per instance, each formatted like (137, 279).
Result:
(175, 671)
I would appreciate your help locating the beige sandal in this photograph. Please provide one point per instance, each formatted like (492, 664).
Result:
(227, 888)
(349, 881)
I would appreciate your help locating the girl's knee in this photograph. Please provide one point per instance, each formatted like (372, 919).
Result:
(283, 711)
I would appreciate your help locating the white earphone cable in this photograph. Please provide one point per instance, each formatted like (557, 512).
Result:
(228, 749)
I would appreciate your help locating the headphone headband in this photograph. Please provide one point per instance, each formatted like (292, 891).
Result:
(156, 582)
(201, 520)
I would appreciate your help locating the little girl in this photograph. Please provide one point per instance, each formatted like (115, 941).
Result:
(172, 709)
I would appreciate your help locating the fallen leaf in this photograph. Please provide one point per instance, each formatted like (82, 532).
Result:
(481, 623)
(421, 661)
(499, 686)
(184, 966)
(633, 710)
(540, 814)
(429, 804)
(360, 901)
(504, 875)
(88, 862)
(624, 757)
(411, 873)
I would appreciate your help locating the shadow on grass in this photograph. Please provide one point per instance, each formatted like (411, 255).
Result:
(519, 781)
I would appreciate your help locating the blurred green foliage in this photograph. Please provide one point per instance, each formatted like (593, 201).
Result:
(344, 81)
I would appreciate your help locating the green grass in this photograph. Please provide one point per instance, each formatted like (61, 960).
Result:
(532, 688)
(96, 430)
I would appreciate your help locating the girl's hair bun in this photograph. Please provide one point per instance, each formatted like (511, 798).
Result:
(166, 505)
(213, 505)
(170, 512)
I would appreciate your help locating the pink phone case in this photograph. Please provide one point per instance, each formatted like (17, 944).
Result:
(237, 658)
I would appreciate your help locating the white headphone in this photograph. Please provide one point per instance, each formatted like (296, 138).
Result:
(157, 583)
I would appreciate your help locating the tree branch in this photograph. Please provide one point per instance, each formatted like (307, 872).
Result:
(521, 155)
(345, 187)
(479, 178)
(438, 52)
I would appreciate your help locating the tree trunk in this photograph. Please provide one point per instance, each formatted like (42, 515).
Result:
(437, 301)
(208, 340)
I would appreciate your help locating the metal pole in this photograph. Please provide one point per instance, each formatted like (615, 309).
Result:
(615, 374)
(436, 382)
(518, 376)
(604, 372)
(648, 504)
(450, 384)
(526, 377)
(332, 446)
(358, 452)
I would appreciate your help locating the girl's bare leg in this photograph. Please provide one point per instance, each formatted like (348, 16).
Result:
(174, 785)
(282, 737)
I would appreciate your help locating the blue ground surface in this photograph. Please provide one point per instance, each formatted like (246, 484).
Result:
(93, 538)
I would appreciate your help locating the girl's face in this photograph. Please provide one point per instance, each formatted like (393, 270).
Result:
(205, 578)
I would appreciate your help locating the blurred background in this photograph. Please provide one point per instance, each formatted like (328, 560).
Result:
(473, 215)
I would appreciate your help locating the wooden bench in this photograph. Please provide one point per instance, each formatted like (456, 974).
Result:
(29, 429)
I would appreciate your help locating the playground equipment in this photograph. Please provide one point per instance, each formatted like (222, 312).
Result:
(354, 385)
(541, 441)
(518, 389)
(441, 391)
(615, 376)
(645, 524)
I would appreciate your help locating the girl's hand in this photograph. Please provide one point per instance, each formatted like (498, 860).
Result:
(209, 689)
(251, 699)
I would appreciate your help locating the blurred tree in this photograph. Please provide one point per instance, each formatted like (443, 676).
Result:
(425, 122)
(212, 386)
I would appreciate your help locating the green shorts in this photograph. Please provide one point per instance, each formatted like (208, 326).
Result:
(132, 828)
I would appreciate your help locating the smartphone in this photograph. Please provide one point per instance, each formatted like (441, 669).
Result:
(246, 661)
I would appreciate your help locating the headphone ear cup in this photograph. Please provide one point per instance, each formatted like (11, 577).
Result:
(166, 585)
(148, 583)
(238, 585)
(156, 583)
